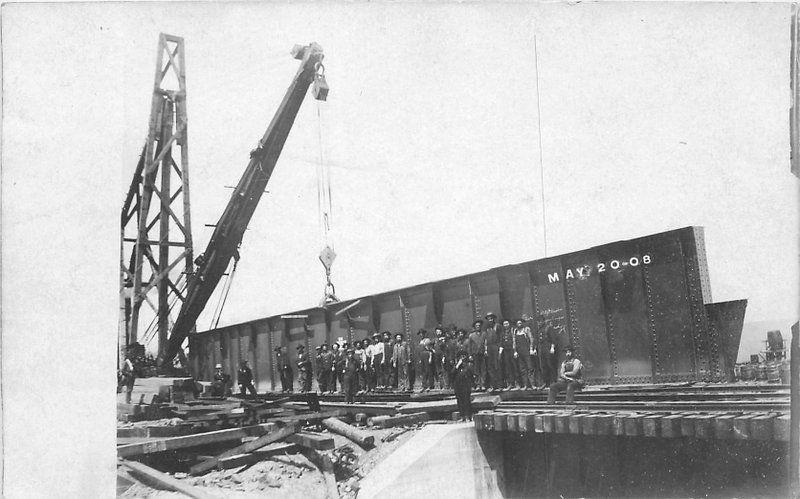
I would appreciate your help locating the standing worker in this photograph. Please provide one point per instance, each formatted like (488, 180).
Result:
(523, 354)
(507, 360)
(128, 377)
(245, 380)
(428, 367)
(378, 361)
(545, 351)
(304, 369)
(349, 376)
(325, 369)
(493, 339)
(570, 377)
(284, 369)
(401, 359)
(462, 385)
(335, 353)
(477, 350)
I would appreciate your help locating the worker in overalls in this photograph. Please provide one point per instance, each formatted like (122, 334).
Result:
(494, 335)
(523, 354)
(570, 377)
(349, 372)
(401, 359)
(477, 350)
(508, 364)
(304, 369)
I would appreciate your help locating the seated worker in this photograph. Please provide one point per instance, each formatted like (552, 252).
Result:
(570, 377)
(220, 386)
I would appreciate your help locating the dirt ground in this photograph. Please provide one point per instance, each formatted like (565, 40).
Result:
(284, 475)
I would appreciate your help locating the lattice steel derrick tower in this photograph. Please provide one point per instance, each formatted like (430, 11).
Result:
(155, 215)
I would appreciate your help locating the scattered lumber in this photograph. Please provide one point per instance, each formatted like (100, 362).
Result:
(311, 441)
(261, 441)
(162, 480)
(405, 419)
(257, 455)
(360, 437)
(172, 443)
(392, 436)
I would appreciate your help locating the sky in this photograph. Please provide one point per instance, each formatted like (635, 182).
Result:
(650, 117)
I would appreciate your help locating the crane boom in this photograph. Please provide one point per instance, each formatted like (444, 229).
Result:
(227, 236)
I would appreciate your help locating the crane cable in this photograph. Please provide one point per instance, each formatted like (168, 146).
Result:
(226, 288)
(325, 212)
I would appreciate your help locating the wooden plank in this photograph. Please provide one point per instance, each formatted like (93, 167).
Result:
(527, 423)
(162, 480)
(603, 424)
(538, 423)
(781, 430)
(479, 420)
(741, 427)
(671, 426)
(500, 421)
(311, 441)
(562, 422)
(238, 460)
(172, 443)
(360, 437)
(273, 436)
(549, 423)
(651, 425)
(479, 403)
(633, 425)
(618, 424)
(723, 426)
(370, 409)
(762, 427)
(574, 423)
(704, 426)
(589, 424)
(513, 422)
(405, 419)
(687, 425)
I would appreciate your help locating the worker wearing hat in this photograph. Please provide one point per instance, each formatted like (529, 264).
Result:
(494, 336)
(477, 350)
(284, 369)
(378, 361)
(220, 385)
(304, 369)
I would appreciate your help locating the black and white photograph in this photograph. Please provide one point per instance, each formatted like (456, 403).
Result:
(400, 249)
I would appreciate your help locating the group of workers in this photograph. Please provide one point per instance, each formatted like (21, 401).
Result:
(492, 356)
